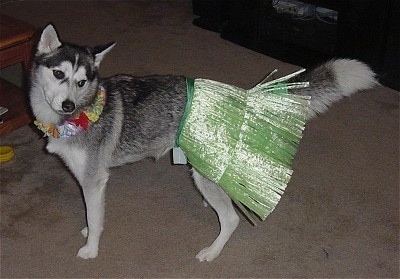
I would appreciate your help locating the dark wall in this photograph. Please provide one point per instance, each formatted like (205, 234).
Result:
(367, 30)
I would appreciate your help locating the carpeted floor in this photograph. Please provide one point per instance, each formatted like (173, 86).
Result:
(338, 218)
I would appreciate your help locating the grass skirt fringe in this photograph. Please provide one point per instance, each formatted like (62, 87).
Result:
(244, 140)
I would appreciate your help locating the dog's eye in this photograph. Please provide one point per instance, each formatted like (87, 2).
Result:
(81, 83)
(58, 74)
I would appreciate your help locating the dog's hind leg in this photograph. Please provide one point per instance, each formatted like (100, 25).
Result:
(227, 216)
(94, 193)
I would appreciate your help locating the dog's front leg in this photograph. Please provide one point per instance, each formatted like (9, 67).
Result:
(94, 194)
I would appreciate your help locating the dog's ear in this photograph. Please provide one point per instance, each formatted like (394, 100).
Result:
(100, 51)
(48, 40)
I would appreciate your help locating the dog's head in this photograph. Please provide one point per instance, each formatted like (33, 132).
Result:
(64, 77)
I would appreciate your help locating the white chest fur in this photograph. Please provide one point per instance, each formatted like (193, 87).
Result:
(74, 157)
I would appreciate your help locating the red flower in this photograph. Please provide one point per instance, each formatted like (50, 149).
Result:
(81, 121)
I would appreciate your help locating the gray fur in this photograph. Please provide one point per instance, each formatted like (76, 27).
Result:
(140, 119)
(332, 81)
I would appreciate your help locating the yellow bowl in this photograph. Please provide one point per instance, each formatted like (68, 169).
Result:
(6, 153)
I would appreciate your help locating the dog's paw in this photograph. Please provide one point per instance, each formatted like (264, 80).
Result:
(208, 254)
(84, 232)
(87, 253)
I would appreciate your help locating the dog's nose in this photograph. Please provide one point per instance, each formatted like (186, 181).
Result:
(68, 106)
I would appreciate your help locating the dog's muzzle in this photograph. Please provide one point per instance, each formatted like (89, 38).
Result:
(68, 106)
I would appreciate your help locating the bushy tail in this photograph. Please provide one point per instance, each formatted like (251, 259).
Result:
(332, 81)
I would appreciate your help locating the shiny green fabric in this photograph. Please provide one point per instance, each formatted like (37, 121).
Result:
(244, 140)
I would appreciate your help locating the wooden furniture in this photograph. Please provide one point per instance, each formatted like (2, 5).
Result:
(15, 47)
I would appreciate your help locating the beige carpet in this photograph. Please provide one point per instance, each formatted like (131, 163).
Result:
(338, 218)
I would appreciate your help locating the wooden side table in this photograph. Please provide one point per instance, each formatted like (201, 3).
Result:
(16, 45)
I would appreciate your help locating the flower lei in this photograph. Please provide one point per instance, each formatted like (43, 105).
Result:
(77, 124)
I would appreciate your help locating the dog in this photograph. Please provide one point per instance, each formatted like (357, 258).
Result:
(138, 117)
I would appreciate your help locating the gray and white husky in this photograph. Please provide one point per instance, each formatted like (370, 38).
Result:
(140, 118)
